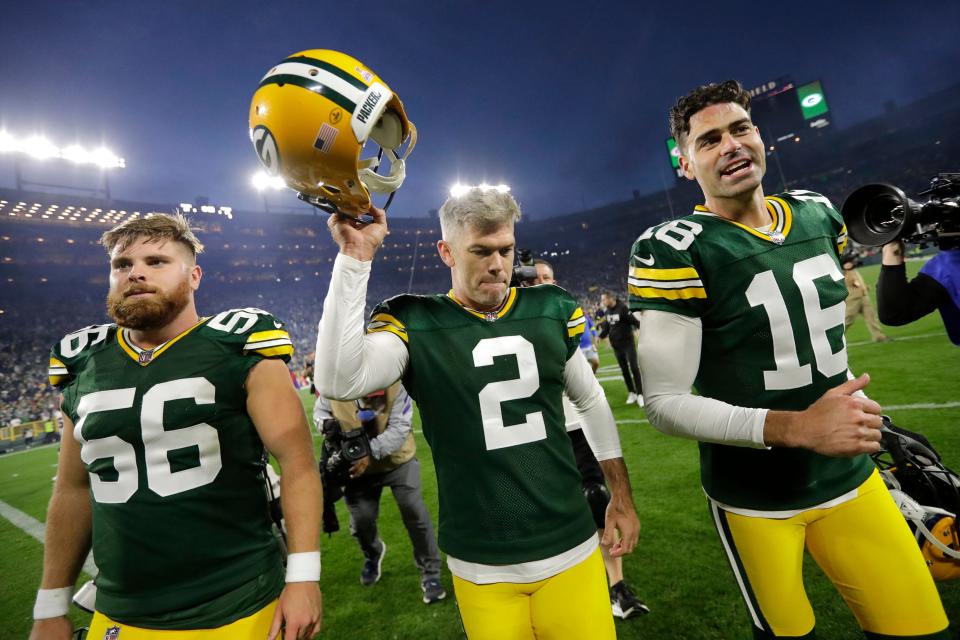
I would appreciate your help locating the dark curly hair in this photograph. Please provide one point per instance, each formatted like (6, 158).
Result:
(701, 98)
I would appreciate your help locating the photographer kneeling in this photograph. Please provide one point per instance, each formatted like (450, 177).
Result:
(385, 417)
(937, 286)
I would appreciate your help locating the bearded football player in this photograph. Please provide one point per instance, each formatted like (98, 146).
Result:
(744, 300)
(488, 365)
(166, 416)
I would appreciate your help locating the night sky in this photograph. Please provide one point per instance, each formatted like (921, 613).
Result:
(564, 101)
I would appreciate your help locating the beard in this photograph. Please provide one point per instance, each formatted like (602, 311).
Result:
(150, 313)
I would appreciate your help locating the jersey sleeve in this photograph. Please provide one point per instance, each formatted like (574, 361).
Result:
(386, 317)
(576, 325)
(254, 332)
(837, 225)
(664, 275)
(68, 356)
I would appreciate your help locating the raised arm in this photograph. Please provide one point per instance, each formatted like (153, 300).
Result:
(350, 364)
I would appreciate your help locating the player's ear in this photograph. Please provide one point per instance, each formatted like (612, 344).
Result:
(446, 253)
(686, 167)
(196, 273)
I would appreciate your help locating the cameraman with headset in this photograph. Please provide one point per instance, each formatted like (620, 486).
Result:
(937, 286)
(385, 417)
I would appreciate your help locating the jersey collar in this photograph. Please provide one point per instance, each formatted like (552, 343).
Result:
(489, 316)
(779, 211)
(143, 357)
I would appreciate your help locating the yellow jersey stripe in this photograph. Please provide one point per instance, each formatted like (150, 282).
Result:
(669, 294)
(577, 330)
(260, 336)
(56, 380)
(270, 352)
(391, 329)
(787, 215)
(577, 313)
(389, 319)
(686, 273)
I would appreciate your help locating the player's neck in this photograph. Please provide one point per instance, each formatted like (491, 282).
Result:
(468, 303)
(153, 338)
(749, 209)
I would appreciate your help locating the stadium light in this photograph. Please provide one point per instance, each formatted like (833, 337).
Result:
(458, 189)
(261, 181)
(40, 148)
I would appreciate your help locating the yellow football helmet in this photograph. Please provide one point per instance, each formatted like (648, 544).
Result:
(312, 115)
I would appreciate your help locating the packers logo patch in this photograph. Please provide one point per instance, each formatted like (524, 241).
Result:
(266, 147)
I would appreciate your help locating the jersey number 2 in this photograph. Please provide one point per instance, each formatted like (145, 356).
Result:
(495, 433)
(157, 442)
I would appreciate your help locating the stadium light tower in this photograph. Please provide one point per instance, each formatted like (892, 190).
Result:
(40, 148)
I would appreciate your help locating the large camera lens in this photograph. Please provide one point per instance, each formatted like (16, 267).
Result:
(876, 214)
(883, 214)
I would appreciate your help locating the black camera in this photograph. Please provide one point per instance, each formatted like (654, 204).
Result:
(525, 271)
(880, 213)
(340, 450)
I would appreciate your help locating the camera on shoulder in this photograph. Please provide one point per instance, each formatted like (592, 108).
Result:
(877, 214)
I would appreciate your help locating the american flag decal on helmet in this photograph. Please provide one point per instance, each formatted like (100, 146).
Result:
(325, 138)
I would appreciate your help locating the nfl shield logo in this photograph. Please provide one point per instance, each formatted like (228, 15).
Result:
(144, 358)
(112, 633)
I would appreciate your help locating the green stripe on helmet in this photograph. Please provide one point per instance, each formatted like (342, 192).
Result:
(312, 85)
(326, 66)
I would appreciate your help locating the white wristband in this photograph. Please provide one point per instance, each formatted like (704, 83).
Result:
(303, 567)
(52, 603)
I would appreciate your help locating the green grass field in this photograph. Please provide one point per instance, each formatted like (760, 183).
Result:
(678, 569)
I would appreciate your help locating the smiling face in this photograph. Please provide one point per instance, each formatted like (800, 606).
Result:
(151, 284)
(481, 263)
(723, 152)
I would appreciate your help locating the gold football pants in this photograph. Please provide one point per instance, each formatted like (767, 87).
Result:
(864, 547)
(572, 604)
(256, 626)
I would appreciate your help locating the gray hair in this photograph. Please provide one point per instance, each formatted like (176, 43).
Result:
(478, 209)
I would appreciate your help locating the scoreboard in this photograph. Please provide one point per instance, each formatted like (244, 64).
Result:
(788, 110)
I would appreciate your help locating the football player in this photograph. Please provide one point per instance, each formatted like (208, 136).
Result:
(488, 365)
(744, 300)
(166, 415)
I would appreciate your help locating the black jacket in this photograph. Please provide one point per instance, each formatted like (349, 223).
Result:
(619, 323)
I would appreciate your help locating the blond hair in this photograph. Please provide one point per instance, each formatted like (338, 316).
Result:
(478, 209)
(156, 227)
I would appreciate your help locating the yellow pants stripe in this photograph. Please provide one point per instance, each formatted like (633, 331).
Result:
(253, 627)
(572, 604)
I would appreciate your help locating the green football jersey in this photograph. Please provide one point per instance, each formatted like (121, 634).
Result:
(181, 531)
(489, 387)
(772, 308)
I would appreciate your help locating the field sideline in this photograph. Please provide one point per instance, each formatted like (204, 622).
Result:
(679, 568)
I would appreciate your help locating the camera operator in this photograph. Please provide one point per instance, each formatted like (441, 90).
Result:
(385, 417)
(937, 286)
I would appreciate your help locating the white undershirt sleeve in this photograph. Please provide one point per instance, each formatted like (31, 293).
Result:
(586, 394)
(669, 356)
(349, 363)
